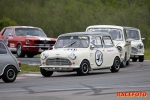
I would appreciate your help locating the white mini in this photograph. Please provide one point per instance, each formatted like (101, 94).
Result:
(119, 37)
(137, 45)
(81, 52)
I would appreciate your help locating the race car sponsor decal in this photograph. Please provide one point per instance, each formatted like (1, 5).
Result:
(110, 50)
(98, 58)
(12, 45)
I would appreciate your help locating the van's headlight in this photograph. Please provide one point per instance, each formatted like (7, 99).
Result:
(72, 56)
(43, 56)
(139, 46)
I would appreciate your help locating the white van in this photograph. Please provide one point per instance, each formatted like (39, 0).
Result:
(119, 36)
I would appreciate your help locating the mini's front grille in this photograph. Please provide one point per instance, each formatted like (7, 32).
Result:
(134, 50)
(58, 61)
(43, 42)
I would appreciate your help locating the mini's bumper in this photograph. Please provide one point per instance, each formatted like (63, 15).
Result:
(59, 68)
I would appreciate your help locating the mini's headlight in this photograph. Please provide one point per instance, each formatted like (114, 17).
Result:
(27, 41)
(43, 56)
(72, 56)
(139, 46)
(119, 48)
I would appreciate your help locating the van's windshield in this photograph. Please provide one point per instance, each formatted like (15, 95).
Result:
(116, 34)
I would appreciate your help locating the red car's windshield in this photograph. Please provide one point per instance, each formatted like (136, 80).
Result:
(30, 32)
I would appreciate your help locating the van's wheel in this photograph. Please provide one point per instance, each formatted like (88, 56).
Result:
(124, 62)
(134, 59)
(20, 52)
(116, 65)
(84, 68)
(128, 62)
(141, 58)
(46, 73)
(30, 55)
(10, 74)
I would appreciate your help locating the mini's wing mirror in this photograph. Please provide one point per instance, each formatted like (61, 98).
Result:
(128, 40)
(142, 39)
(10, 34)
(91, 46)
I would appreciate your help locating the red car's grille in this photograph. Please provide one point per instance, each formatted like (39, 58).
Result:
(44, 42)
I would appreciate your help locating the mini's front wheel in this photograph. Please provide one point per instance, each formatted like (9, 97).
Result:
(84, 68)
(46, 73)
(9, 75)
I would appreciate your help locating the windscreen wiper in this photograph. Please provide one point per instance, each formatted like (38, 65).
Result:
(69, 44)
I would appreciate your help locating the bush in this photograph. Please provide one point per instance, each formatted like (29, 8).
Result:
(7, 22)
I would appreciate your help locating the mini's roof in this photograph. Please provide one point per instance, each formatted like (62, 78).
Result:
(130, 28)
(86, 33)
(105, 26)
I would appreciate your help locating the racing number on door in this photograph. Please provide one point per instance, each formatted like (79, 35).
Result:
(98, 58)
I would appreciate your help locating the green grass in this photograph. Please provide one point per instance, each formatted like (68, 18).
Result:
(27, 69)
(147, 54)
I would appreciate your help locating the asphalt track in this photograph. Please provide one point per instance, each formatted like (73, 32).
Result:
(98, 85)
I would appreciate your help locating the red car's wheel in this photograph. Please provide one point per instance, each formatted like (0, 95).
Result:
(20, 52)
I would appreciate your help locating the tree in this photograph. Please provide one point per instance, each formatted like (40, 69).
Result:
(7, 22)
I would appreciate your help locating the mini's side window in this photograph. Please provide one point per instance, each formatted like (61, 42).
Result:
(96, 41)
(2, 48)
(7, 32)
(107, 42)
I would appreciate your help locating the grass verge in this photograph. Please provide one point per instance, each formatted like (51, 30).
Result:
(147, 54)
(27, 69)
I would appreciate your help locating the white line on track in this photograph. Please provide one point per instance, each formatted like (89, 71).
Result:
(71, 89)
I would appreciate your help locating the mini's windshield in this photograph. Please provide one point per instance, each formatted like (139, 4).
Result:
(30, 32)
(116, 34)
(133, 34)
(72, 42)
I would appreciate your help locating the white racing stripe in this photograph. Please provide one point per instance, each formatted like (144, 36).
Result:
(47, 39)
(40, 38)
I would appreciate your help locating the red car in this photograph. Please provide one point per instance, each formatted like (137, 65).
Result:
(26, 40)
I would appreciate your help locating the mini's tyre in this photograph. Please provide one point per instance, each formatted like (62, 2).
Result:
(10, 74)
(46, 73)
(134, 59)
(141, 58)
(84, 68)
(116, 65)
(20, 52)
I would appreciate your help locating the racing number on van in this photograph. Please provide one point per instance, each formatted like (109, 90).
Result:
(98, 58)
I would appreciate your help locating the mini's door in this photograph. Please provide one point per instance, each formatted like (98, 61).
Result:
(97, 52)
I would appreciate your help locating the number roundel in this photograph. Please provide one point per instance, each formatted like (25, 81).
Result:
(98, 58)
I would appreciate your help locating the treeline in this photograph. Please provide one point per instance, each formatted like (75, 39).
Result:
(56, 17)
